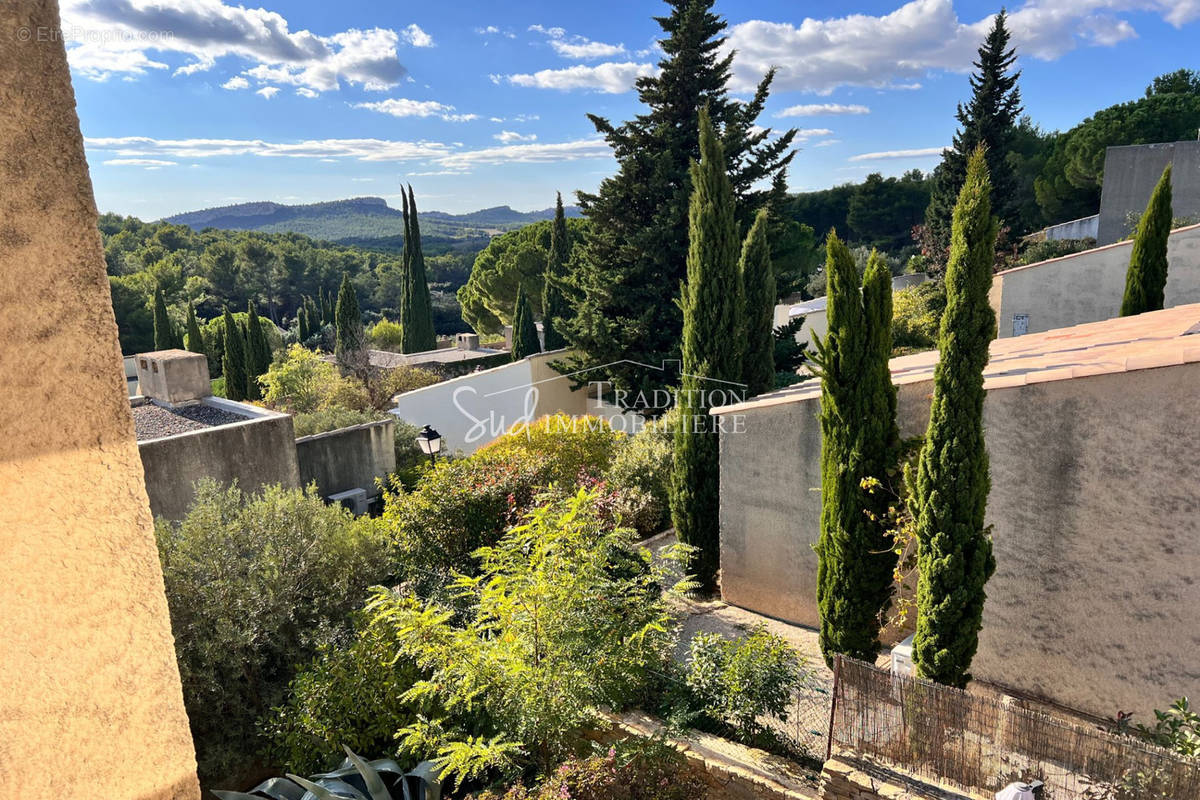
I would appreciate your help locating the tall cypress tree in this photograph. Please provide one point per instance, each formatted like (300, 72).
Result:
(634, 252)
(954, 557)
(416, 314)
(258, 352)
(525, 335)
(988, 119)
(859, 440)
(351, 348)
(554, 303)
(758, 278)
(233, 365)
(195, 339)
(165, 336)
(713, 333)
(303, 330)
(1146, 280)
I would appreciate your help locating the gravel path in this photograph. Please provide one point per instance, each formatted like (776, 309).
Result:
(153, 422)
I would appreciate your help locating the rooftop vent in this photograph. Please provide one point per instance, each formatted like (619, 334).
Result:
(467, 341)
(173, 376)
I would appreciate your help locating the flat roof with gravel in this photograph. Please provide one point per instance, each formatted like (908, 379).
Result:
(154, 422)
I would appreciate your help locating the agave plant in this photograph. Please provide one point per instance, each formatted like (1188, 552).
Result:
(355, 779)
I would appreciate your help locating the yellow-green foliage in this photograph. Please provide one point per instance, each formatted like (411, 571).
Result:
(386, 335)
(300, 382)
(565, 446)
(916, 316)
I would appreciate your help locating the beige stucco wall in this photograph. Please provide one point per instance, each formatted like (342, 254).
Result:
(1088, 286)
(90, 703)
(1095, 504)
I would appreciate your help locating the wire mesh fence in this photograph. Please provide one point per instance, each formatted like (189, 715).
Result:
(981, 744)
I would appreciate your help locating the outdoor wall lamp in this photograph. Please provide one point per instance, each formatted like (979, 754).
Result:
(430, 442)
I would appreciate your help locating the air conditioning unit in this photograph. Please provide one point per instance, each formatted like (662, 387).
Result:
(353, 499)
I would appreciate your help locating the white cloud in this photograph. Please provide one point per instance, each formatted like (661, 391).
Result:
(508, 137)
(437, 155)
(235, 83)
(611, 77)
(405, 107)
(821, 109)
(887, 154)
(810, 133)
(268, 91)
(304, 91)
(529, 153)
(579, 48)
(417, 37)
(826, 142)
(492, 30)
(923, 36)
(110, 37)
(138, 162)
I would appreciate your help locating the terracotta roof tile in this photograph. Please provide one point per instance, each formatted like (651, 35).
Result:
(1146, 341)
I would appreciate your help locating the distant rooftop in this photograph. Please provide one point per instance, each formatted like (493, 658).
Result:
(388, 360)
(1125, 344)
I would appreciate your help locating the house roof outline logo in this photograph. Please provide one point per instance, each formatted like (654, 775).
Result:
(664, 367)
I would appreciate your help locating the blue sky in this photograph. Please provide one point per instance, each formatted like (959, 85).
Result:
(187, 104)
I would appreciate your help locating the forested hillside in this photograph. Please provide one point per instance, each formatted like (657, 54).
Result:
(212, 269)
(358, 220)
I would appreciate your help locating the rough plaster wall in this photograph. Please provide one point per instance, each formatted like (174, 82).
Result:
(771, 503)
(1088, 287)
(89, 690)
(1096, 512)
(1096, 505)
(255, 453)
(350, 458)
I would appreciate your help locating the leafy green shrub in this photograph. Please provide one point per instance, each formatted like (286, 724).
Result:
(300, 382)
(1177, 728)
(642, 465)
(737, 681)
(331, 418)
(1053, 248)
(567, 446)
(350, 696)
(386, 335)
(630, 770)
(256, 584)
(916, 316)
(565, 618)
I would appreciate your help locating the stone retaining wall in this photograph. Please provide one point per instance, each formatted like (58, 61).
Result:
(845, 779)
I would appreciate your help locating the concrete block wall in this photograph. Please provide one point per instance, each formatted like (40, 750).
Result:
(348, 458)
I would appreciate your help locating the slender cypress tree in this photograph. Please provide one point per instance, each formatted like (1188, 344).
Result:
(758, 277)
(525, 335)
(554, 303)
(258, 352)
(165, 337)
(416, 315)
(634, 251)
(302, 321)
(988, 119)
(350, 349)
(195, 339)
(1146, 279)
(713, 332)
(233, 365)
(954, 549)
(859, 440)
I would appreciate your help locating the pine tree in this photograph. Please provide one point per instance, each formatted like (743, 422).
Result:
(350, 349)
(954, 549)
(1146, 279)
(554, 303)
(989, 119)
(525, 335)
(416, 312)
(195, 339)
(165, 336)
(713, 332)
(859, 440)
(634, 253)
(758, 277)
(233, 365)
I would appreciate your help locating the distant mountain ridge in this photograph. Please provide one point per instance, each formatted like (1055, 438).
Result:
(358, 218)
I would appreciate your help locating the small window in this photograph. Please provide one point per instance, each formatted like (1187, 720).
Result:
(1020, 324)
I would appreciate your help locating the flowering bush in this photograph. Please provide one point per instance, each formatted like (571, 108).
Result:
(568, 446)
